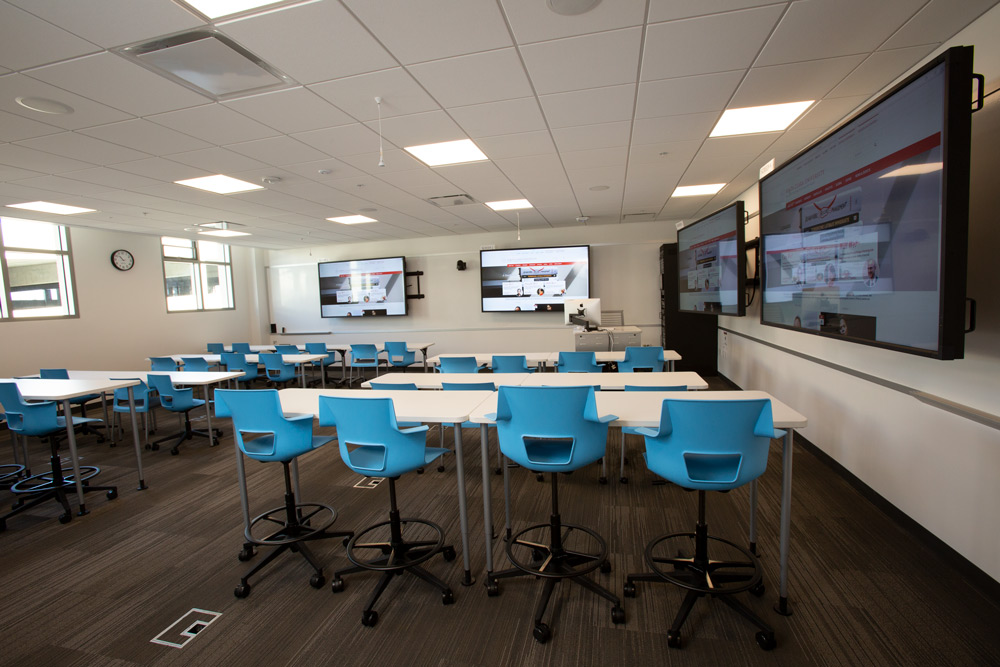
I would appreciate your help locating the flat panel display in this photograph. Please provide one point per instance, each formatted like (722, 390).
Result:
(711, 263)
(864, 235)
(533, 279)
(363, 287)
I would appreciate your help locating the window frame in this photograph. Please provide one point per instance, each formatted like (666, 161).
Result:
(69, 274)
(197, 265)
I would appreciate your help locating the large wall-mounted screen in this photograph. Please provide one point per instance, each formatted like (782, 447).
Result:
(711, 262)
(864, 235)
(534, 279)
(363, 287)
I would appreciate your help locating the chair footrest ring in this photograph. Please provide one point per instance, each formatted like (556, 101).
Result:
(46, 482)
(311, 522)
(573, 558)
(421, 540)
(674, 558)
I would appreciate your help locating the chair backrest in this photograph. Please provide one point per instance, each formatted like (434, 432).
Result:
(509, 363)
(398, 354)
(162, 364)
(216, 348)
(172, 398)
(364, 353)
(140, 394)
(458, 365)
(393, 386)
(371, 442)
(236, 362)
(28, 418)
(277, 368)
(53, 374)
(634, 387)
(316, 348)
(650, 358)
(468, 386)
(578, 362)
(241, 347)
(711, 445)
(258, 412)
(195, 364)
(286, 348)
(553, 429)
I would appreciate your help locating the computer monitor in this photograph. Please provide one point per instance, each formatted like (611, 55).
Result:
(585, 313)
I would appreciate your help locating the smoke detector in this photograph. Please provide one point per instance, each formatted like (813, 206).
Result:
(452, 200)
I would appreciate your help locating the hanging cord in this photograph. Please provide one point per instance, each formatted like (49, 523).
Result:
(518, 225)
(381, 159)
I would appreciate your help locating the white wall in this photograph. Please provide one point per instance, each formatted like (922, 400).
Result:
(937, 467)
(123, 316)
(625, 268)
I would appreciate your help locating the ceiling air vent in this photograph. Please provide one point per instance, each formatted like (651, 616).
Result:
(452, 200)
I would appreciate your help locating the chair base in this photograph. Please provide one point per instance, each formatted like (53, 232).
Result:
(54, 485)
(187, 434)
(703, 576)
(10, 474)
(398, 555)
(553, 562)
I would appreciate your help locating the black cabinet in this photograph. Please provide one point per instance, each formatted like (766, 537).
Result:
(694, 336)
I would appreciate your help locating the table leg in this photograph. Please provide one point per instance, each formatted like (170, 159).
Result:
(487, 498)
(463, 511)
(506, 498)
(753, 517)
(135, 438)
(212, 442)
(424, 353)
(74, 459)
(786, 523)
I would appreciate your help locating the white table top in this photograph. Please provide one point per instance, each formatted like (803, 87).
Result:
(642, 408)
(253, 348)
(446, 407)
(532, 358)
(37, 389)
(189, 378)
(617, 381)
(434, 380)
(250, 358)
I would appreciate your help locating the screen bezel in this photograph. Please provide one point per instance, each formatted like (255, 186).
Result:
(956, 131)
(739, 212)
(482, 305)
(401, 258)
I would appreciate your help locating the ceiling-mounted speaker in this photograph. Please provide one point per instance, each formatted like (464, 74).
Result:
(571, 7)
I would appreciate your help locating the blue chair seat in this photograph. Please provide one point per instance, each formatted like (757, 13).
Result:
(578, 362)
(183, 402)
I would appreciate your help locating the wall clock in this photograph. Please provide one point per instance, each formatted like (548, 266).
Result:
(122, 260)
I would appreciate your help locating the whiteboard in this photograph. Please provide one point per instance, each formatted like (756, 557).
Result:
(294, 298)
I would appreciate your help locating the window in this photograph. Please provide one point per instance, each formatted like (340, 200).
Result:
(35, 270)
(197, 275)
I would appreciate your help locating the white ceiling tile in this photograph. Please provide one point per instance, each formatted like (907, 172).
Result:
(669, 10)
(344, 140)
(879, 69)
(8, 173)
(539, 178)
(495, 118)
(111, 178)
(216, 160)
(667, 152)
(85, 112)
(937, 21)
(160, 169)
(687, 95)
(533, 21)
(474, 79)
(795, 37)
(483, 181)
(36, 160)
(277, 151)
(400, 94)
(684, 127)
(61, 185)
(829, 112)
(340, 45)
(522, 144)
(716, 43)
(118, 83)
(597, 157)
(586, 137)
(128, 25)
(417, 129)
(81, 147)
(417, 181)
(793, 82)
(143, 135)
(432, 29)
(14, 128)
(393, 160)
(336, 169)
(214, 123)
(28, 41)
(577, 63)
(722, 158)
(648, 189)
(293, 110)
(589, 107)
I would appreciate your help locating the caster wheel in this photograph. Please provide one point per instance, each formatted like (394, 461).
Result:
(492, 588)
(3, 526)
(65, 518)
(757, 590)
(448, 553)
(629, 589)
(317, 580)
(542, 633)
(174, 452)
(420, 471)
(242, 591)
(440, 468)
(537, 555)
(605, 566)
(447, 597)
(765, 640)
(617, 615)
(245, 554)
(369, 618)
(602, 480)
(623, 480)
(112, 494)
(337, 586)
(673, 639)
(155, 448)
(497, 471)
(347, 540)
(540, 477)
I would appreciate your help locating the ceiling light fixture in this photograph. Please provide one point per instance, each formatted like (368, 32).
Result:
(697, 190)
(447, 152)
(221, 228)
(352, 219)
(509, 205)
(220, 184)
(224, 233)
(49, 207)
(213, 9)
(44, 105)
(754, 120)
(571, 7)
